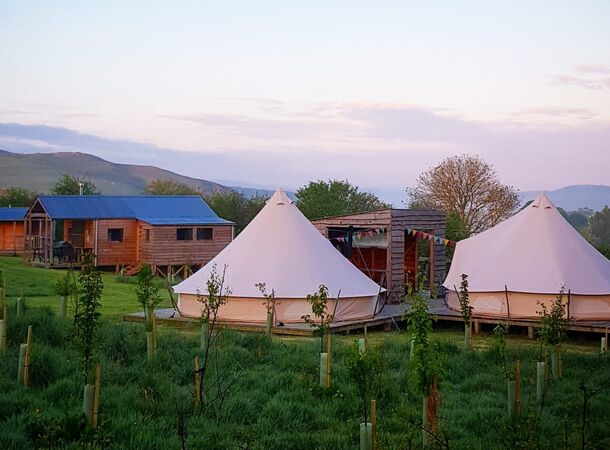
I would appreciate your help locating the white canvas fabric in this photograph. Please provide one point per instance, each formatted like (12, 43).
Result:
(282, 249)
(528, 258)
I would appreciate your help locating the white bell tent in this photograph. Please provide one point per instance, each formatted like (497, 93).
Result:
(527, 259)
(282, 249)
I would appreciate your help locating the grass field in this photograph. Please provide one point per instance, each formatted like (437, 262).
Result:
(275, 402)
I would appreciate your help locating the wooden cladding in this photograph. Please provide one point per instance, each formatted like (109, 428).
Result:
(401, 256)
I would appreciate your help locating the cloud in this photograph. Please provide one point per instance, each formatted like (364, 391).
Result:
(550, 113)
(588, 83)
(590, 76)
(595, 68)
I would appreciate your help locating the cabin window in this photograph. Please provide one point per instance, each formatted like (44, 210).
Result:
(184, 234)
(115, 235)
(204, 234)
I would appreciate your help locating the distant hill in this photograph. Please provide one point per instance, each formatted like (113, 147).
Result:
(573, 198)
(39, 172)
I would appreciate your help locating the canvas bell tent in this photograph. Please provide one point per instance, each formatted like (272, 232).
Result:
(282, 249)
(527, 259)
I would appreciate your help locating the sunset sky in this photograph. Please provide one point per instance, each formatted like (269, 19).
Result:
(279, 93)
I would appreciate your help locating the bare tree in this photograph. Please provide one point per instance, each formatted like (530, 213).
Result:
(469, 187)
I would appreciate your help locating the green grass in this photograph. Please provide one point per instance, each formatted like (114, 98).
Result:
(275, 402)
(38, 288)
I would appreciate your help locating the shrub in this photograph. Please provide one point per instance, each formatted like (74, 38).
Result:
(46, 365)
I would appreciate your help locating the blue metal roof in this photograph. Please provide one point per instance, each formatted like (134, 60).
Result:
(153, 209)
(12, 214)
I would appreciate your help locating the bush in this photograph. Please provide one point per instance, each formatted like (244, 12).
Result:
(46, 327)
(46, 365)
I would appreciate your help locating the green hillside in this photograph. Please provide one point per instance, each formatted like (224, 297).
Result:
(40, 171)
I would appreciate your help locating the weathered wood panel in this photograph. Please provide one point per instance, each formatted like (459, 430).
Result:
(112, 253)
(11, 237)
(163, 249)
(397, 221)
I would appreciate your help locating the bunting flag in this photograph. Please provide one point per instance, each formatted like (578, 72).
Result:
(359, 235)
(431, 237)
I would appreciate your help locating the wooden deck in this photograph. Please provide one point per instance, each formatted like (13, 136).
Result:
(390, 317)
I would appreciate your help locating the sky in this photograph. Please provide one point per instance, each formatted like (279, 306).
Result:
(279, 93)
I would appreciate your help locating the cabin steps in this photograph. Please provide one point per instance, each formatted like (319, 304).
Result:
(132, 269)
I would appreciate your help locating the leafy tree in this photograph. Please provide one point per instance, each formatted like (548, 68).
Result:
(17, 197)
(69, 185)
(147, 293)
(599, 228)
(235, 206)
(322, 319)
(169, 187)
(578, 220)
(469, 187)
(334, 197)
(87, 317)
(365, 369)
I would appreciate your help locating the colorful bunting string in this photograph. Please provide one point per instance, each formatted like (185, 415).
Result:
(359, 235)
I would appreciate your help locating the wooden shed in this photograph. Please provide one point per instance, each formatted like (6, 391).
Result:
(11, 230)
(168, 232)
(395, 247)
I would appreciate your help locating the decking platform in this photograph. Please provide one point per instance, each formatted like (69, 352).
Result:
(390, 317)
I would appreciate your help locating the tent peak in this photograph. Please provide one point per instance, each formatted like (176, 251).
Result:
(542, 201)
(279, 198)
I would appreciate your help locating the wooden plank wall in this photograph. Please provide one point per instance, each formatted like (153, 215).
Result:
(434, 222)
(163, 249)
(396, 221)
(113, 253)
(11, 237)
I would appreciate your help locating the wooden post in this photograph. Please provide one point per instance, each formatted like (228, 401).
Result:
(197, 384)
(26, 360)
(374, 423)
(517, 386)
(329, 359)
(366, 336)
(96, 397)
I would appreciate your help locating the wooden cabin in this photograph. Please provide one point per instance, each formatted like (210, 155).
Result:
(11, 230)
(168, 232)
(395, 247)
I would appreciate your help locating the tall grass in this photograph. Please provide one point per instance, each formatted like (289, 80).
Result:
(276, 402)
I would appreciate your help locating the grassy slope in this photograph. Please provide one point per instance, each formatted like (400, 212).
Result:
(276, 403)
(40, 171)
(38, 287)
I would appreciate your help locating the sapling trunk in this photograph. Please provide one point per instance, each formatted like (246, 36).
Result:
(63, 306)
(467, 335)
(512, 397)
(22, 351)
(323, 369)
(425, 423)
(205, 333)
(96, 397)
(362, 345)
(88, 394)
(540, 371)
(366, 436)
(150, 346)
(269, 324)
(556, 362)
